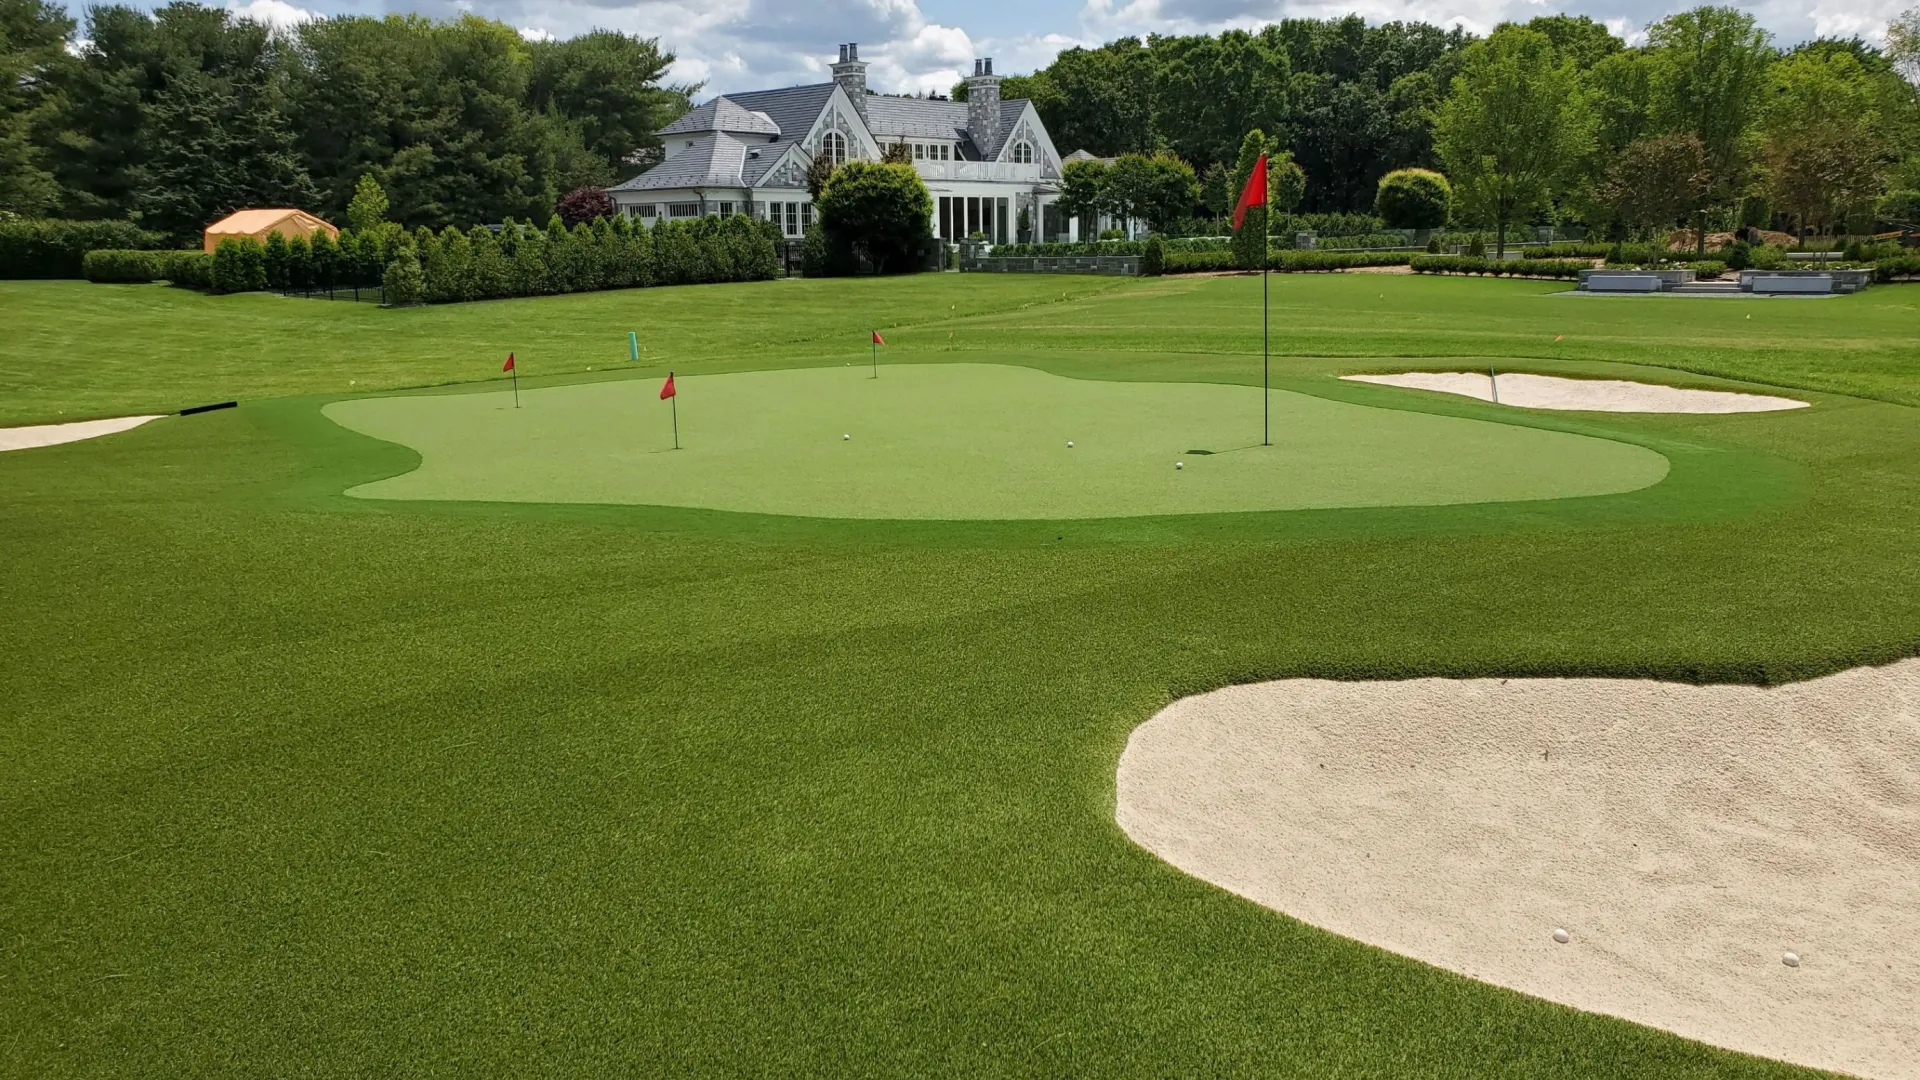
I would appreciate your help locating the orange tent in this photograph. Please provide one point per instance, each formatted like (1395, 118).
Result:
(259, 223)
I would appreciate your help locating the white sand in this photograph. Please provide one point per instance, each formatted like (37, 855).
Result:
(1582, 395)
(26, 438)
(1686, 837)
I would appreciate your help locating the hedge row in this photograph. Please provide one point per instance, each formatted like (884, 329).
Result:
(1468, 264)
(46, 248)
(525, 261)
(1904, 266)
(119, 266)
(1282, 259)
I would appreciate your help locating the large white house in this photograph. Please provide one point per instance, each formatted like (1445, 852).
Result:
(988, 163)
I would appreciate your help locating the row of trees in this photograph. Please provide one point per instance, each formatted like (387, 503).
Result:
(1707, 123)
(1555, 102)
(177, 116)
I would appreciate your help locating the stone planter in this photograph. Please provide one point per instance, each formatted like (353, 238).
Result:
(1804, 282)
(1633, 281)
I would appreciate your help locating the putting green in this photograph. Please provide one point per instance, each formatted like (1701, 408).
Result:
(969, 441)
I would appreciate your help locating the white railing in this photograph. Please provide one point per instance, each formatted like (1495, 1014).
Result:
(1003, 171)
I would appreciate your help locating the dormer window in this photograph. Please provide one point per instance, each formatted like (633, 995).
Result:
(834, 148)
(1023, 153)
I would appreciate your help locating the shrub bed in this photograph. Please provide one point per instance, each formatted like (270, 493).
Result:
(1283, 259)
(1904, 266)
(525, 261)
(1467, 264)
(48, 248)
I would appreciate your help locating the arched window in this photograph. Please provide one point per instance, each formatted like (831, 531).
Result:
(834, 148)
(1023, 153)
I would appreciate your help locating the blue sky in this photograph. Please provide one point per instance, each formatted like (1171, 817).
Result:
(917, 45)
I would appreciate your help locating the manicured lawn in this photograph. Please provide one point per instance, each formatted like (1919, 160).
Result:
(294, 783)
(969, 441)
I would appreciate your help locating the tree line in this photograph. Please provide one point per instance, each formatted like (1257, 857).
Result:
(175, 117)
(1556, 119)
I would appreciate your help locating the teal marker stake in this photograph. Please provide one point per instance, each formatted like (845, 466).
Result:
(633, 346)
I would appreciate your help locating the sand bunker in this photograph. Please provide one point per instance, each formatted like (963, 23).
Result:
(1687, 838)
(1582, 395)
(26, 438)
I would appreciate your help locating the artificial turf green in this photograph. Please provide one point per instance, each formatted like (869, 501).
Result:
(297, 784)
(968, 442)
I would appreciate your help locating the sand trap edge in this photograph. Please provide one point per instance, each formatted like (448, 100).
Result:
(1687, 837)
(34, 436)
(1529, 391)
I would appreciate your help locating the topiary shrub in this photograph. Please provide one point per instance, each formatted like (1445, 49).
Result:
(1477, 248)
(1433, 245)
(239, 265)
(188, 269)
(881, 212)
(1413, 199)
(1738, 255)
(115, 266)
(403, 279)
(1153, 258)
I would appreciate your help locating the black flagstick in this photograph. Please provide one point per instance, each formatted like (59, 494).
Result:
(675, 402)
(873, 342)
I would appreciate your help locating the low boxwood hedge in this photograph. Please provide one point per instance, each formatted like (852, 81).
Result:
(1468, 264)
(120, 266)
(1902, 266)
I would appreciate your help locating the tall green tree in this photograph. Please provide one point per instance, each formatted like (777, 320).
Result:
(879, 211)
(612, 85)
(1512, 129)
(1709, 79)
(1209, 89)
(1082, 190)
(1824, 152)
(216, 144)
(368, 210)
(33, 34)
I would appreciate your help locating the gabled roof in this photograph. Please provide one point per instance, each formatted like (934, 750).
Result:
(723, 114)
(714, 160)
(793, 110)
(253, 221)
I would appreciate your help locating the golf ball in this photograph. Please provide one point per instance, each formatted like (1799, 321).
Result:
(1560, 935)
(1069, 444)
(846, 436)
(1179, 464)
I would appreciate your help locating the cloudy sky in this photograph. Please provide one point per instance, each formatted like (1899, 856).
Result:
(917, 45)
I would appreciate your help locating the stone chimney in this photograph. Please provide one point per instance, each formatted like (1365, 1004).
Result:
(983, 105)
(851, 74)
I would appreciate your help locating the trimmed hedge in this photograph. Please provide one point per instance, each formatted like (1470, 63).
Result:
(1905, 266)
(1468, 264)
(49, 248)
(525, 261)
(1361, 243)
(1285, 260)
(190, 269)
(119, 266)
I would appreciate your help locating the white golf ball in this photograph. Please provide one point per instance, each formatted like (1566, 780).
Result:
(1069, 444)
(1790, 959)
(846, 436)
(1560, 935)
(1179, 464)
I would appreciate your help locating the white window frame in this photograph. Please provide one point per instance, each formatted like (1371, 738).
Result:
(726, 208)
(833, 146)
(682, 210)
(647, 210)
(1023, 152)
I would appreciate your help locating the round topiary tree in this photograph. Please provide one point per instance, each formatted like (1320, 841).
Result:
(880, 211)
(1413, 199)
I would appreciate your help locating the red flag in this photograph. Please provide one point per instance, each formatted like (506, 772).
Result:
(1255, 193)
(668, 391)
(508, 366)
(877, 339)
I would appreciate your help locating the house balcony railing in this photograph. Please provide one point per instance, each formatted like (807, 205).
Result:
(1000, 171)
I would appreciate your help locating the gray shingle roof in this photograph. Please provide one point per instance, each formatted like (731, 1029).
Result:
(726, 129)
(723, 114)
(714, 160)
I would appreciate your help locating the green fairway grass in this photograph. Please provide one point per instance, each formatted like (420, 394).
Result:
(969, 441)
(300, 784)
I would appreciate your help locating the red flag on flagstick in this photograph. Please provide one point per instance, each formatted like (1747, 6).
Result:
(1255, 193)
(508, 366)
(877, 339)
(668, 391)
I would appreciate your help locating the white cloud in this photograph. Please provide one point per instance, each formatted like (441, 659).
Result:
(275, 13)
(534, 33)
